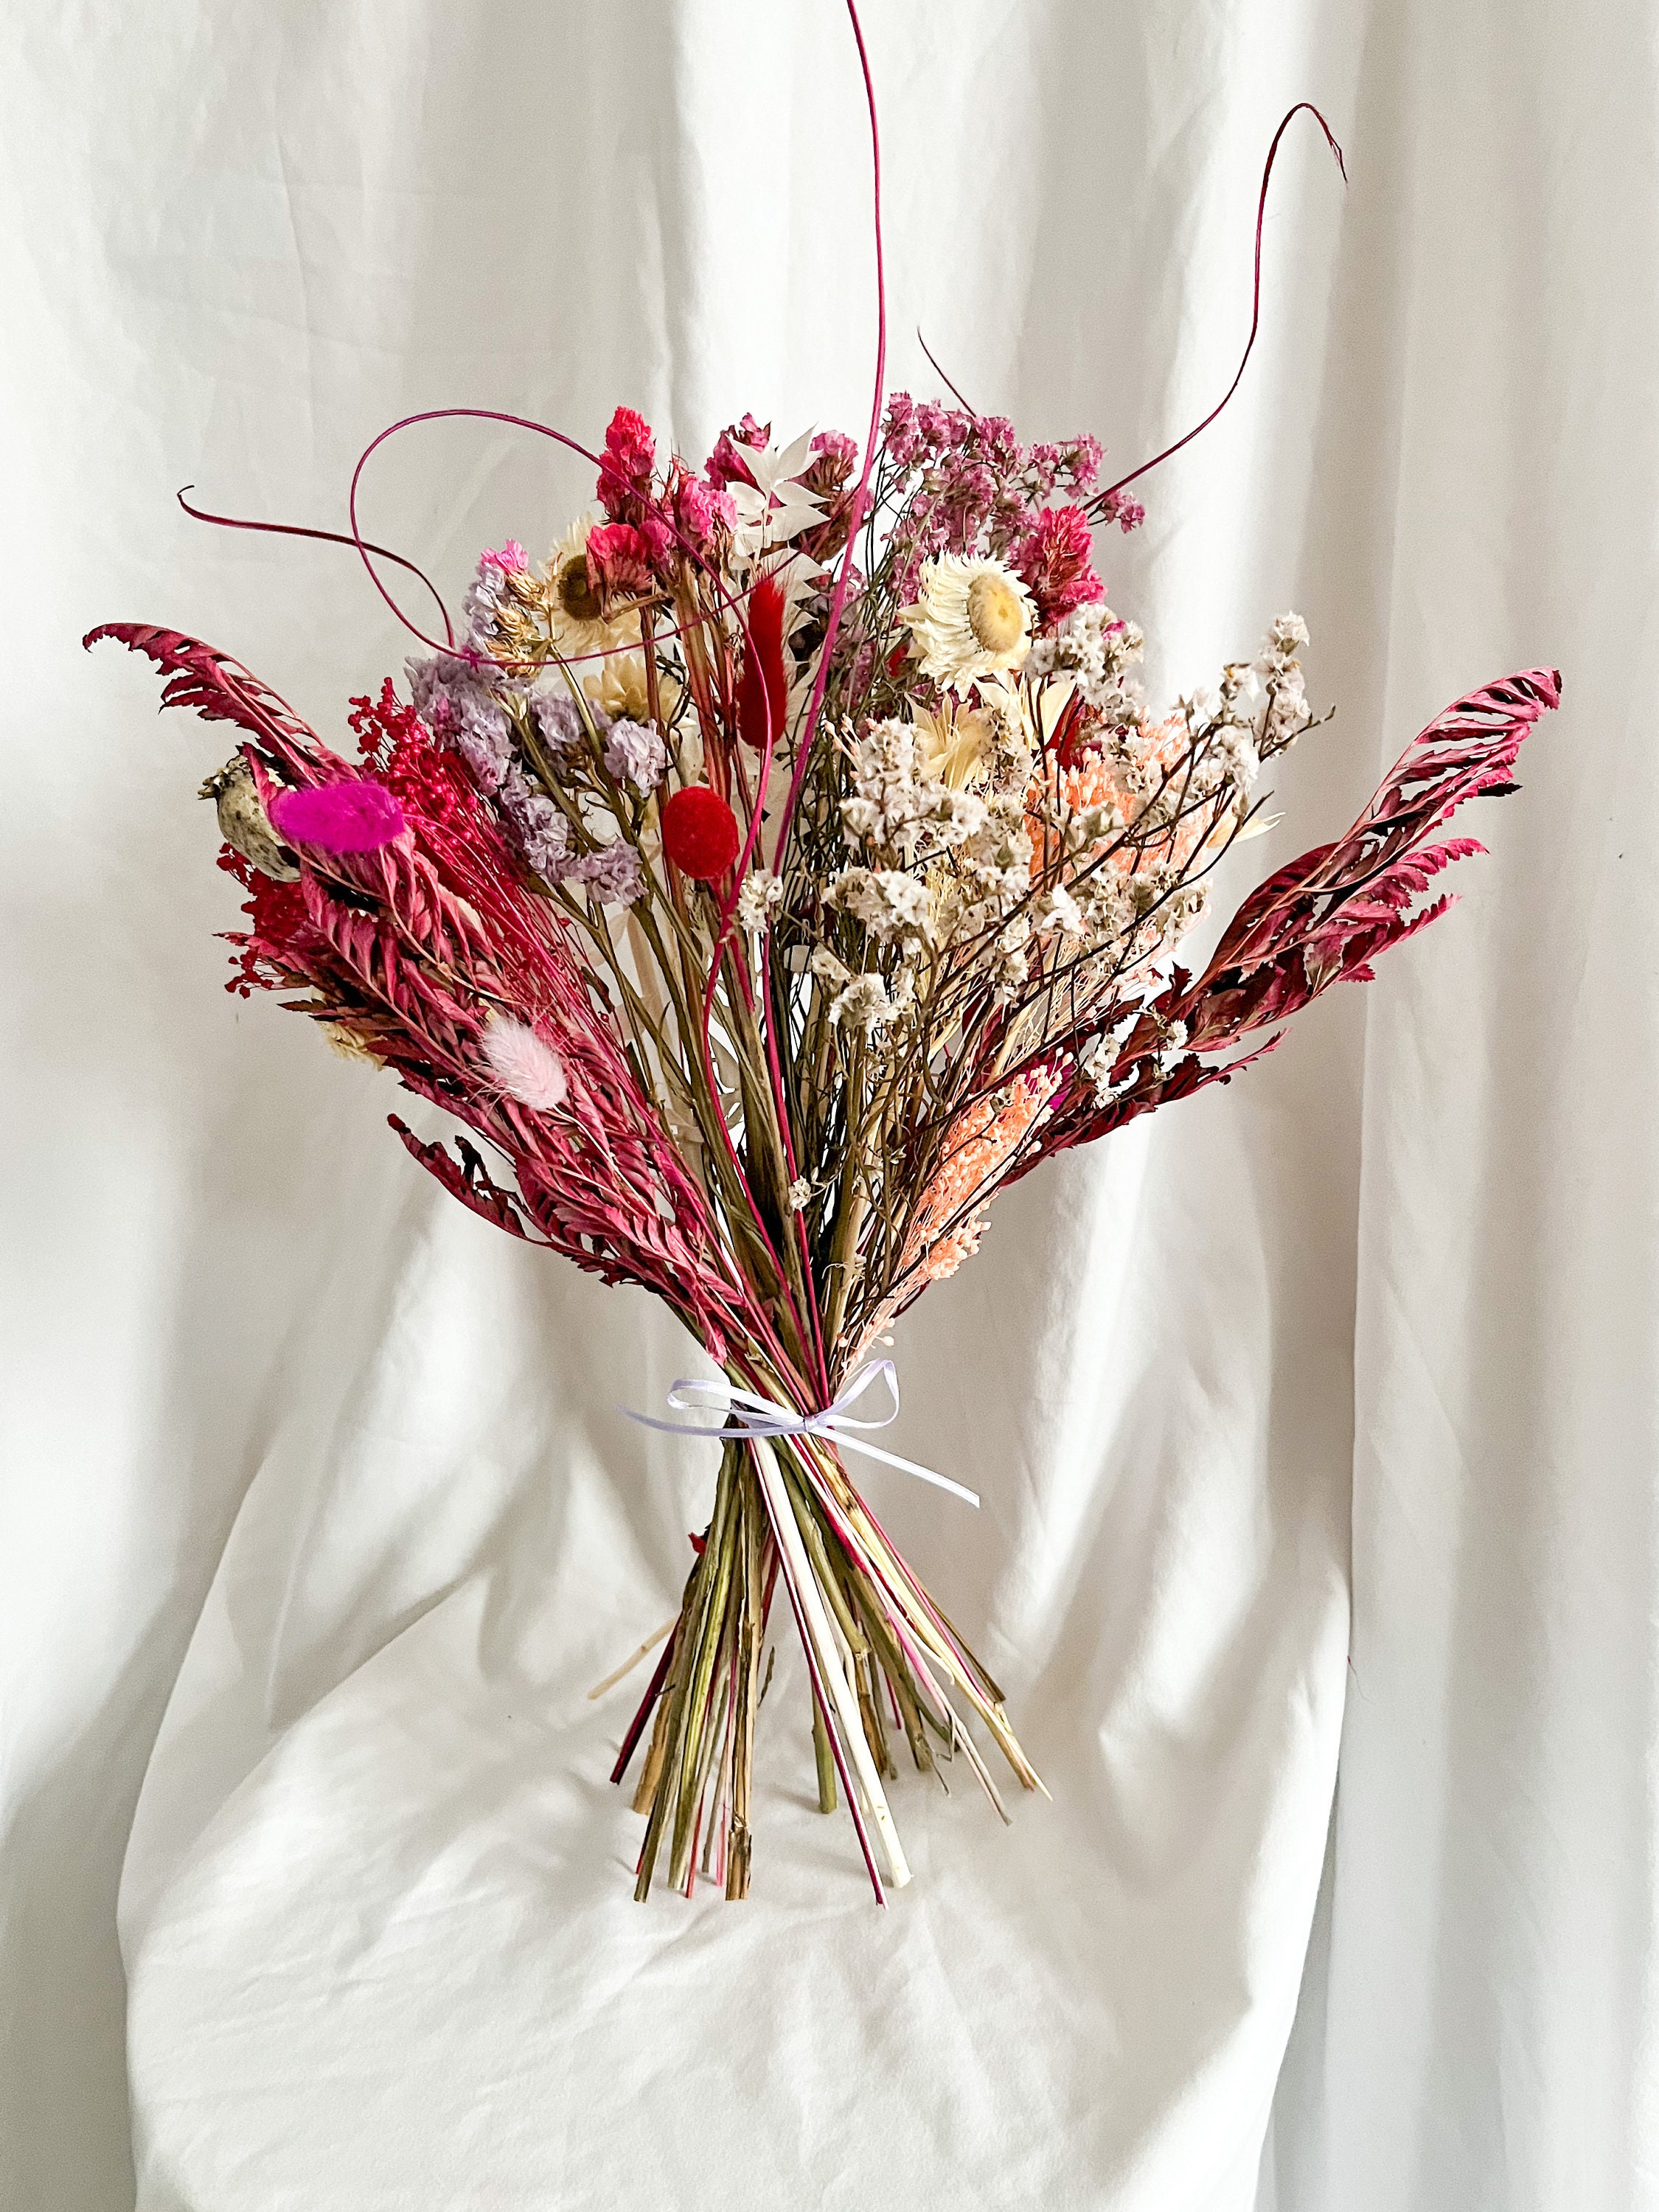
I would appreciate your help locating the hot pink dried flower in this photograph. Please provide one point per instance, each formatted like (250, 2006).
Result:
(338, 818)
(630, 452)
(1055, 558)
(618, 561)
(728, 463)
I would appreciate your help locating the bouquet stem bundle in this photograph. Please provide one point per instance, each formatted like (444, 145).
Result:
(877, 1649)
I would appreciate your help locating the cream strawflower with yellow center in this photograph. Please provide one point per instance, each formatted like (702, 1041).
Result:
(971, 618)
(617, 683)
(575, 617)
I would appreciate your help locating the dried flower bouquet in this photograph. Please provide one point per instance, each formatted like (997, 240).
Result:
(768, 877)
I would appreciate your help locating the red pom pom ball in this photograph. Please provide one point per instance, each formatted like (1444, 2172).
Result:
(700, 833)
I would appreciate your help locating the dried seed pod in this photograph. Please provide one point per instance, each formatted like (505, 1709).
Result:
(243, 821)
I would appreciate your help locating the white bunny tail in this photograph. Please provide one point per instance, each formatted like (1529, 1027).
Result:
(526, 1068)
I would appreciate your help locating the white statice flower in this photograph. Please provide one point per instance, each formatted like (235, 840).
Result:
(760, 899)
(1104, 907)
(1097, 650)
(1009, 970)
(1083, 829)
(799, 1196)
(1286, 715)
(828, 967)
(576, 618)
(889, 902)
(1057, 914)
(864, 1004)
(895, 807)
(993, 875)
(1098, 1059)
(972, 616)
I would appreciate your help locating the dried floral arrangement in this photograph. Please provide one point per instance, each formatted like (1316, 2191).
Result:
(768, 877)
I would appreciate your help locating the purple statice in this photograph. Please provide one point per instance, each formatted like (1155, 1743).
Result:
(456, 700)
(481, 607)
(634, 753)
(612, 874)
(540, 828)
(482, 738)
(559, 724)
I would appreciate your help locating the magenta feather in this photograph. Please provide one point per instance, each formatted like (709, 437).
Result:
(339, 818)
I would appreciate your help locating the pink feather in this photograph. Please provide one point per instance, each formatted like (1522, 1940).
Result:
(526, 1068)
(339, 818)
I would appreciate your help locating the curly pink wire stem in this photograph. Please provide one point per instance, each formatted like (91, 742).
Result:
(1101, 498)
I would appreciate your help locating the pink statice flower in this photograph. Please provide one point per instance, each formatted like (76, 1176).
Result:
(631, 453)
(512, 559)
(966, 485)
(701, 509)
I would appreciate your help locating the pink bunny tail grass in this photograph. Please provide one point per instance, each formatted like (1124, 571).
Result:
(526, 1068)
(339, 818)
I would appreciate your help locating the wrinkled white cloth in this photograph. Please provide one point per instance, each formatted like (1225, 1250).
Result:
(318, 1519)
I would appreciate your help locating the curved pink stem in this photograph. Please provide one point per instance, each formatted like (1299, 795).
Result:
(323, 537)
(1100, 498)
(856, 516)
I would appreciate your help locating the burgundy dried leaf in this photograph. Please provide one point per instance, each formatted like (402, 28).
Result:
(220, 689)
(1325, 917)
(467, 1179)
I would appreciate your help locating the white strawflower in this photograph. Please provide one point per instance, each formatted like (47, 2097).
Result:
(973, 616)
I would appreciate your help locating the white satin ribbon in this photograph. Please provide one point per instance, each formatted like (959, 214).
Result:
(744, 1414)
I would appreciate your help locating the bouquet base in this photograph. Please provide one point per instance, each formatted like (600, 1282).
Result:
(885, 1663)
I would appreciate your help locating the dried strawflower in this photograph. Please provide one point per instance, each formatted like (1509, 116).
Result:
(971, 617)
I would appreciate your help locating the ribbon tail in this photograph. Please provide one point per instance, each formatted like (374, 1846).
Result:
(905, 1466)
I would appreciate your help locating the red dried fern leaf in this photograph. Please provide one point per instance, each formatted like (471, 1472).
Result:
(220, 689)
(1325, 917)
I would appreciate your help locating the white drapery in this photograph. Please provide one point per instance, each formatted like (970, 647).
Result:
(319, 1518)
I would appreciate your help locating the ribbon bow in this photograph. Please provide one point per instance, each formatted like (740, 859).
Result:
(746, 1415)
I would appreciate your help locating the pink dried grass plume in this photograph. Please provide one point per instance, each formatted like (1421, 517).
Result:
(526, 1069)
(339, 818)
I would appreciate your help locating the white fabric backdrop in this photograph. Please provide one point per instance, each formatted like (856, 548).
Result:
(286, 1430)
